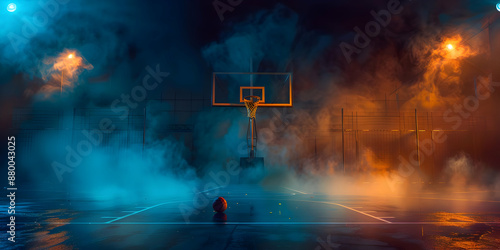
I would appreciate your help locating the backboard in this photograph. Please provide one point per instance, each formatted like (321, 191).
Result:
(274, 89)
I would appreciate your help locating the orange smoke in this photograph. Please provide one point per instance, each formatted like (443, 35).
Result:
(63, 71)
(454, 48)
(441, 80)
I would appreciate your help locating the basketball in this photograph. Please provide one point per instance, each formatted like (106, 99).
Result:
(219, 205)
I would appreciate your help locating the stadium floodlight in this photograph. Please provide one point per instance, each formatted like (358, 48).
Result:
(11, 7)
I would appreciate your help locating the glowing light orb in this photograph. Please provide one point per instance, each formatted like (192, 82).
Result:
(11, 7)
(70, 56)
(498, 6)
(450, 46)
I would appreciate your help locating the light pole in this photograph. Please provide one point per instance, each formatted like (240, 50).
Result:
(70, 56)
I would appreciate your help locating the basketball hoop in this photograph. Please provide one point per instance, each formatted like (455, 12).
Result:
(249, 90)
(251, 102)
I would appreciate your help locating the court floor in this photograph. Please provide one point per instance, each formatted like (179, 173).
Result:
(263, 218)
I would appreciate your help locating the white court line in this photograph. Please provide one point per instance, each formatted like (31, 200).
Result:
(268, 223)
(204, 191)
(369, 215)
(295, 190)
(469, 192)
(350, 208)
(450, 199)
(147, 208)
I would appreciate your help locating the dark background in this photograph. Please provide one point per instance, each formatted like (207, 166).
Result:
(188, 39)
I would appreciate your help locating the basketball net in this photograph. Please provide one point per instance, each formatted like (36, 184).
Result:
(251, 102)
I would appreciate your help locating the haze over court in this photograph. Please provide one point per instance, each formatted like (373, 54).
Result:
(322, 124)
